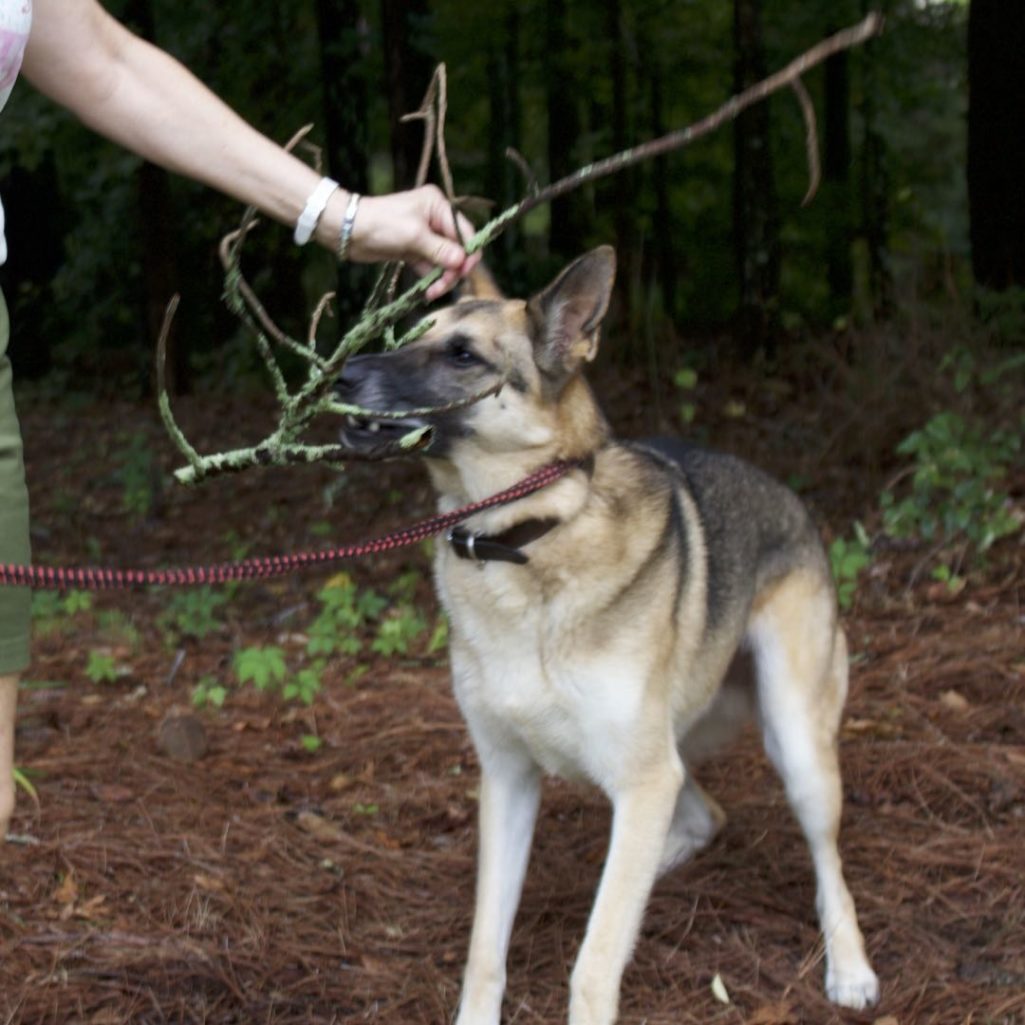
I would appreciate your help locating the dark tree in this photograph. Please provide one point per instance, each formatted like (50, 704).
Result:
(624, 186)
(755, 204)
(158, 229)
(836, 180)
(563, 127)
(342, 34)
(407, 71)
(662, 229)
(996, 142)
(875, 181)
(343, 72)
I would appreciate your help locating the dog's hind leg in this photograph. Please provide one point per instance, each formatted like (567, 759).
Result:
(509, 797)
(801, 670)
(697, 819)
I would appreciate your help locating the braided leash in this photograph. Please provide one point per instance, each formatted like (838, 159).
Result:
(90, 578)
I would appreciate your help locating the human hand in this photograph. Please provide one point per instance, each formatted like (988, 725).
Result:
(417, 227)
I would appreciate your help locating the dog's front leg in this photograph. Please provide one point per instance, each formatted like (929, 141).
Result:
(509, 796)
(642, 812)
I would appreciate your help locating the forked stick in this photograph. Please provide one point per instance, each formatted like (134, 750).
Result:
(313, 398)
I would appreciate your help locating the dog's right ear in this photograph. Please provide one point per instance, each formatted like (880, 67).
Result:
(480, 284)
(566, 316)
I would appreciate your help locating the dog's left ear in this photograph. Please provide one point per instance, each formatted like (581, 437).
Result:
(566, 316)
(480, 284)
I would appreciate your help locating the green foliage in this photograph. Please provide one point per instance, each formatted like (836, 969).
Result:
(397, 632)
(138, 477)
(848, 557)
(311, 743)
(1002, 313)
(22, 780)
(208, 691)
(686, 380)
(955, 494)
(305, 685)
(193, 612)
(101, 667)
(261, 666)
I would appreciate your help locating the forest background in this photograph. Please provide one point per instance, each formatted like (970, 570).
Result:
(713, 241)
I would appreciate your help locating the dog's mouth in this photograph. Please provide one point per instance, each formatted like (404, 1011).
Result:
(363, 432)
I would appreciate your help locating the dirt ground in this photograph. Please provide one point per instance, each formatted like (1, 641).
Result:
(264, 882)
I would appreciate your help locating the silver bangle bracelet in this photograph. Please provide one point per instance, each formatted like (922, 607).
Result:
(345, 235)
(306, 225)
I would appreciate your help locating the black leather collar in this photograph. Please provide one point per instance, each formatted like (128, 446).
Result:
(504, 547)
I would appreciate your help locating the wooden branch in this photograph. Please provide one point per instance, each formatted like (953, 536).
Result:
(313, 398)
(844, 40)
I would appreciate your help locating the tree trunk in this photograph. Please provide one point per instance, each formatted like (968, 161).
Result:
(623, 187)
(665, 250)
(755, 205)
(407, 69)
(875, 188)
(503, 184)
(158, 218)
(343, 71)
(996, 142)
(563, 129)
(836, 181)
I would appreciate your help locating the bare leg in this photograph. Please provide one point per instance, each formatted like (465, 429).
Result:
(8, 705)
(509, 798)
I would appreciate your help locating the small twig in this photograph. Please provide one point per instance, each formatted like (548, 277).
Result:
(811, 140)
(229, 250)
(529, 177)
(344, 409)
(323, 308)
(163, 400)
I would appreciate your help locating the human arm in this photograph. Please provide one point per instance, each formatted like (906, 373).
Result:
(135, 94)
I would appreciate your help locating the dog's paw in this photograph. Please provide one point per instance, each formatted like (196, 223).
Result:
(856, 987)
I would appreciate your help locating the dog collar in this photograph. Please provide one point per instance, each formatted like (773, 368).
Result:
(504, 547)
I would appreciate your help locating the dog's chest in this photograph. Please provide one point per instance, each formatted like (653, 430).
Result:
(522, 679)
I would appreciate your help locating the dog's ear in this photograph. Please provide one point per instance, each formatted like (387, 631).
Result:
(480, 284)
(566, 316)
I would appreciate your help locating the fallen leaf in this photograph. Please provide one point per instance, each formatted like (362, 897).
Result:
(780, 1013)
(67, 891)
(719, 990)
(954, 701)
(319, 827)
(211, 884)
(90, 907)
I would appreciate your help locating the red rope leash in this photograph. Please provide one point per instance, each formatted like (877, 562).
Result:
(96, 579)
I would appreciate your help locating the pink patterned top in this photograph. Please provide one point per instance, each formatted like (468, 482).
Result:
(15, 22)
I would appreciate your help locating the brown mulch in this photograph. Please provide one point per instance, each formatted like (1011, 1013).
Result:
(263, 883)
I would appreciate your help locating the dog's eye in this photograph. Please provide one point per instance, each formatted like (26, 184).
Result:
(459, 353)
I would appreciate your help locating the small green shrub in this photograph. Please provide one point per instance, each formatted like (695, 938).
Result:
(848, 557)
(193, 612)
(955, 491)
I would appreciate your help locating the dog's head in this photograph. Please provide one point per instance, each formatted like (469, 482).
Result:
(527, 353)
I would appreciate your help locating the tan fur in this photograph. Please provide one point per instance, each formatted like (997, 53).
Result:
(634, 641)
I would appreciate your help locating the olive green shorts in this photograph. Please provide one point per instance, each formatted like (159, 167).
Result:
(15, 602)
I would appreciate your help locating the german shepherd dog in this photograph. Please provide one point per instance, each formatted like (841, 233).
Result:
(616, 625)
